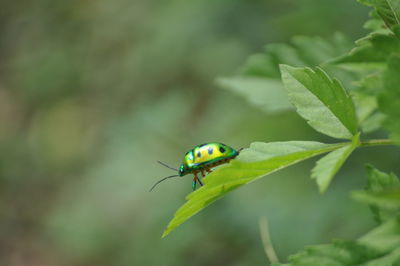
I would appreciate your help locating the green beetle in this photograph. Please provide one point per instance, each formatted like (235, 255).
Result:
(201, 159)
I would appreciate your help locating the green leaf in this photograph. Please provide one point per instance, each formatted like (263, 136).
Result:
(370, 53)
(259, 80)
(323, 102)
(373, 122)
(338, 253)
(253, 163)
(378, 181)
(382, 194)
(370, 84)
(388, 199)
(378, 247)
(302, 51)
(315, 50)
(260, 65)
(384, 238)
(389, 101)
(388, 10)
(375, 23)
(284, 53)
(365, 105)
(326, 167)
(266, 93)
(390, 259)
(365, 101)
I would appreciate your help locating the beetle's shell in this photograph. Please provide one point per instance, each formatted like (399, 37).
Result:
(207, 154)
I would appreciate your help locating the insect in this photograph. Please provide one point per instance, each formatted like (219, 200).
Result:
(200, 159)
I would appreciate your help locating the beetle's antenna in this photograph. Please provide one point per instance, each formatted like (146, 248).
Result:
(166, 165)
(159, 181)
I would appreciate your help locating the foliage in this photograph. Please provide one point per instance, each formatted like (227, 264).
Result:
(369, 102)
(388, 10)
(92, 93)
(389, 100)
(382, 194)
(381, 246)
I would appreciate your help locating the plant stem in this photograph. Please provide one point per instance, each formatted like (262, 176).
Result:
(266, 239)
(377, 142)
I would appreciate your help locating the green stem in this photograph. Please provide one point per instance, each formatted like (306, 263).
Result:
(377, 142)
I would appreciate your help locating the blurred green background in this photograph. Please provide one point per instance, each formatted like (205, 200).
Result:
(92, 93)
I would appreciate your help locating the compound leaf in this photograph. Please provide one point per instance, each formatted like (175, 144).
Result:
(253, 163)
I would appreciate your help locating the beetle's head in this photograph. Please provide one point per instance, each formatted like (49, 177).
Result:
(182, 170)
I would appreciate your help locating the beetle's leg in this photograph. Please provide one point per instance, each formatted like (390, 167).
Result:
(208, 170)
(194, 181)
(194, 184)
(198, 178)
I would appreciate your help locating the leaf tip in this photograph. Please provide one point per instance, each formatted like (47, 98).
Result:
(284, 67)
(166, 232)
(322, 189)
(369, 167)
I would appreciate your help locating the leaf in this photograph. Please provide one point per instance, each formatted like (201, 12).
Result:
(365, 105)
(266, 93)
(253, 163)
(315, 50)
(384, 238)
(388, 10)
(284, 53)
(389, 100)
(338, 253)
(389, 259)
(379, 181)
(365, 101)
(259, 80)
(375, 23)
(378, 247)
(388, 199)
(370, 53)
(302, 51)
(323, 102)
(373, 123)
(260, 65)
(382, 194)
(370, 84)
(326, 167)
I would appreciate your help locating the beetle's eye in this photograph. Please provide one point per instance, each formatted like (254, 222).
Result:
(221, 149)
